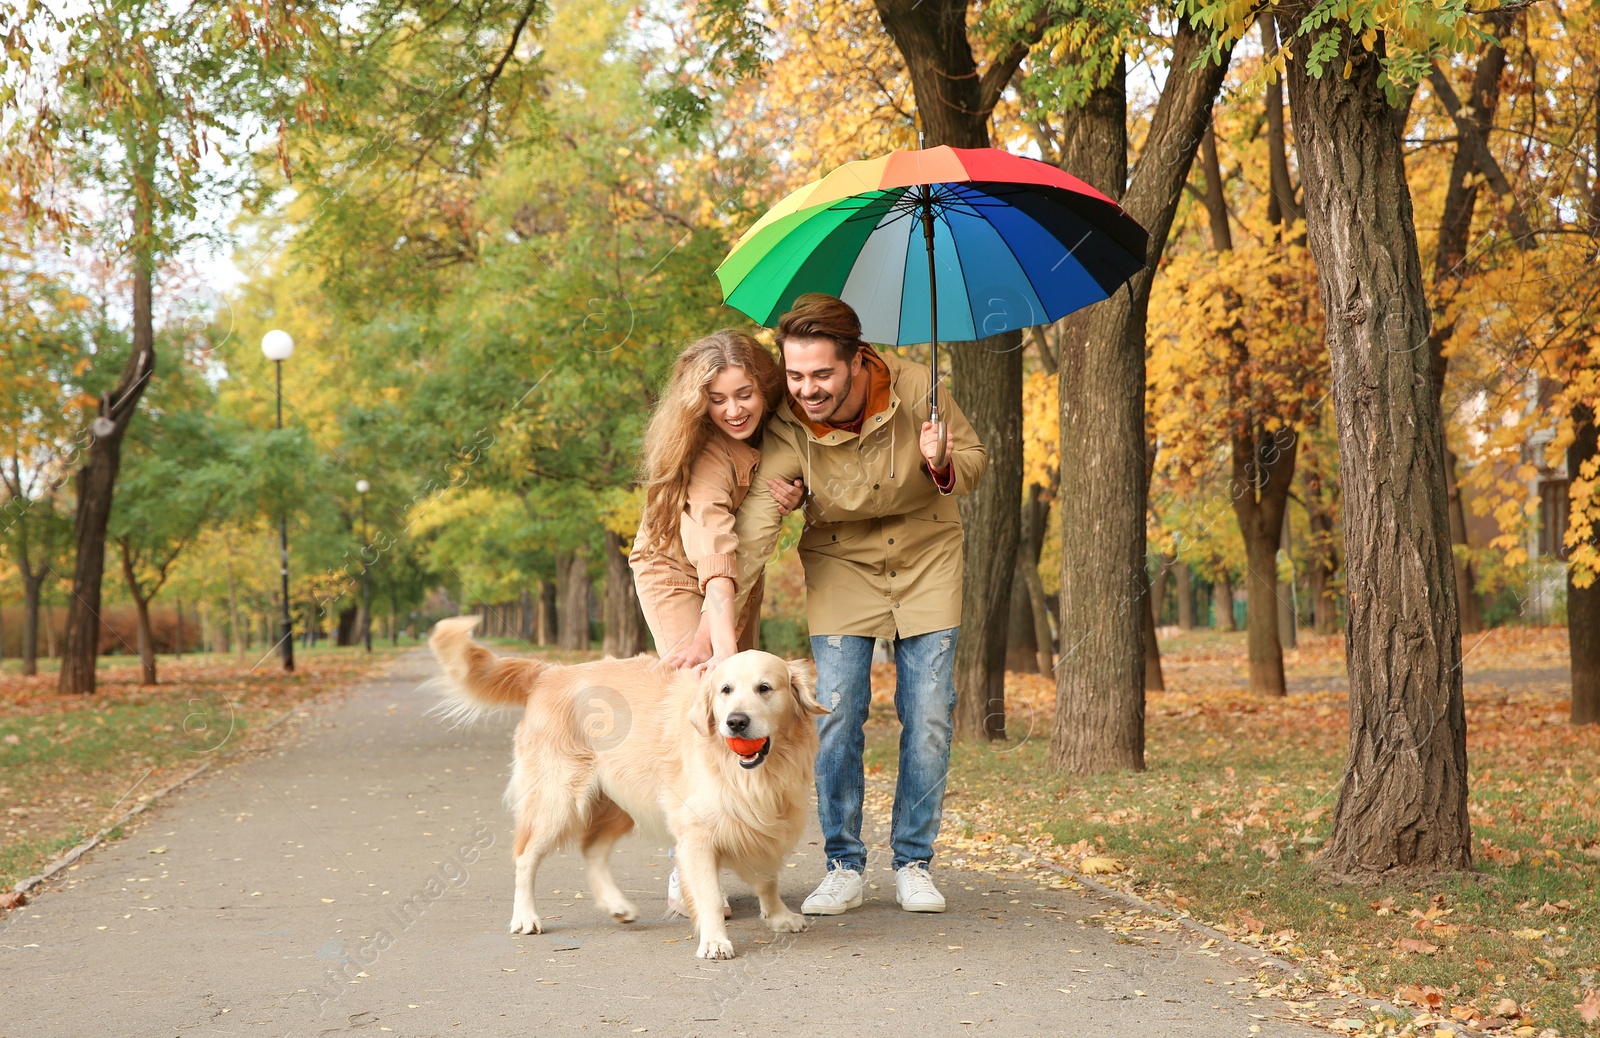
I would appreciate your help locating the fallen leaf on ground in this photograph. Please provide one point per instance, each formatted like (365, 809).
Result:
(1589, 1008)
(1099, 866)
(1411, 944)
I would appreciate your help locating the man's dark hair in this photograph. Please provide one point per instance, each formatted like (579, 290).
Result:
(819, 316)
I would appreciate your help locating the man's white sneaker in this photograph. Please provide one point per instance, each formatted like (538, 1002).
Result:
(675, 905)
(839, 891)
(914, 889)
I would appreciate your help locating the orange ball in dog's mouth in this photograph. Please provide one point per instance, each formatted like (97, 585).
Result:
(751, 752)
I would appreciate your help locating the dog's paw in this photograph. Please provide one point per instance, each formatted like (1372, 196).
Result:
(526, 922)
(622, 911)
(715, 948)
(787, 922)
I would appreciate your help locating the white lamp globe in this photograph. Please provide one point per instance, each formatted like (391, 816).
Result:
(277, 345)
(362, 486)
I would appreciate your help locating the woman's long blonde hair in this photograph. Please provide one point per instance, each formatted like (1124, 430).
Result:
(681, 426)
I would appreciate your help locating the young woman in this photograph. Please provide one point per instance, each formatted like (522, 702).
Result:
(703, 443)
(701, 447)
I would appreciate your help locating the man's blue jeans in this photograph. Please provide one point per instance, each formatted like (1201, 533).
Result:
(924, 699)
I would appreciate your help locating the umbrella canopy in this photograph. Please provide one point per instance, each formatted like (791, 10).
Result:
(1015, 242)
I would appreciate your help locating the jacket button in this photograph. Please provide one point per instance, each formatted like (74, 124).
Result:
(835, 536)
(895, 604)
(874, 486)
(891, 540)
(892, 573)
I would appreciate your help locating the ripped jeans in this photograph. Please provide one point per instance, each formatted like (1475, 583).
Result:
(924, 699)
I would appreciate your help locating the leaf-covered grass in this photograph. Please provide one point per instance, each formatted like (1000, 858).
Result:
(70, 764)
(1238, 798)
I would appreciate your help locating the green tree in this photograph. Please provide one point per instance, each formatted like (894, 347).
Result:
(131, 101)
(182, 473)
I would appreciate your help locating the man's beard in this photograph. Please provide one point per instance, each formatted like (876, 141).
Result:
(838, 398)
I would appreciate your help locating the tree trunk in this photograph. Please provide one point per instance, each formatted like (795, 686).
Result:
(238, 634)
(1263, 472)
(31, 586)
(1583, 604)
(349, 622)
(988, 378)
(97, 479)
(1222, 604)
(1028, 649)
(1154, 680)
(954, 102)
(1099, 723)
(1036, 520)
(1185, 597)
(525, 616)
(1403, 803)
(1466, 575)
(545, 623)
(1160, 584)
(625, 631)
(572, 579)
(177, 633)
(146, 640)
(1288, 615)
(1283, 204)
(1449, 260)
(1022, 647)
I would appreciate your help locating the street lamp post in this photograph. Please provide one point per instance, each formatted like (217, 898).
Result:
(277, 346)
(362, 486)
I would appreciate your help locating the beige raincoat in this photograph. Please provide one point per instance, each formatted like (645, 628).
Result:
(672, 580)
(882, 543)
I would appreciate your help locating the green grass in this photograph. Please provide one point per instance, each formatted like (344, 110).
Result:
(1238, 799)
(70, 764)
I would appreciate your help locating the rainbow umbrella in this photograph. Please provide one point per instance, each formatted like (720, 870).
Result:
(1010, 242)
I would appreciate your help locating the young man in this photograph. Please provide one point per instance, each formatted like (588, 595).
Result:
(882, 556)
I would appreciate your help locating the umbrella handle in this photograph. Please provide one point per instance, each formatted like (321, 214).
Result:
(941, 453)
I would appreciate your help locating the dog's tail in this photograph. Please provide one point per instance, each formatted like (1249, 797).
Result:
(476, 681)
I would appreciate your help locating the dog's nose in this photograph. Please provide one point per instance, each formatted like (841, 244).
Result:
(737, 723)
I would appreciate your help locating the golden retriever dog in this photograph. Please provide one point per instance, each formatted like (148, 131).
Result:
(722, 765)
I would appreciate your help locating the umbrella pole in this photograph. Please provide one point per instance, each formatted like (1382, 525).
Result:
(933, 307)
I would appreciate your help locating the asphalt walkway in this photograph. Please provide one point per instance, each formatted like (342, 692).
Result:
(359, 879)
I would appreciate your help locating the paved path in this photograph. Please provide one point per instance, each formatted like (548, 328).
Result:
(359, 879)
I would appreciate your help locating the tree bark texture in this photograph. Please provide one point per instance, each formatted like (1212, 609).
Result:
(97, 480)
(1185, 597)
(1449, 259)
(1263, 473)
(625, 631)
(1222, 617)
(1099, 723)
(1583, 604)
(1022, 647)
(146, 638)
(1283, 204)
(954, 102)
(987, 375)
(544, 624)
(1403, 803)
(1288, 615)
(1154, 680)
(572, 577)
(31, 586)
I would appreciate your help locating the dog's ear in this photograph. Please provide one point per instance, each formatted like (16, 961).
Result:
(804, 687)
(700, 714)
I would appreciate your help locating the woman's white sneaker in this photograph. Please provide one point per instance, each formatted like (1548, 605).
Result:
(675, 905)
(914, 890)
(839, 891)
